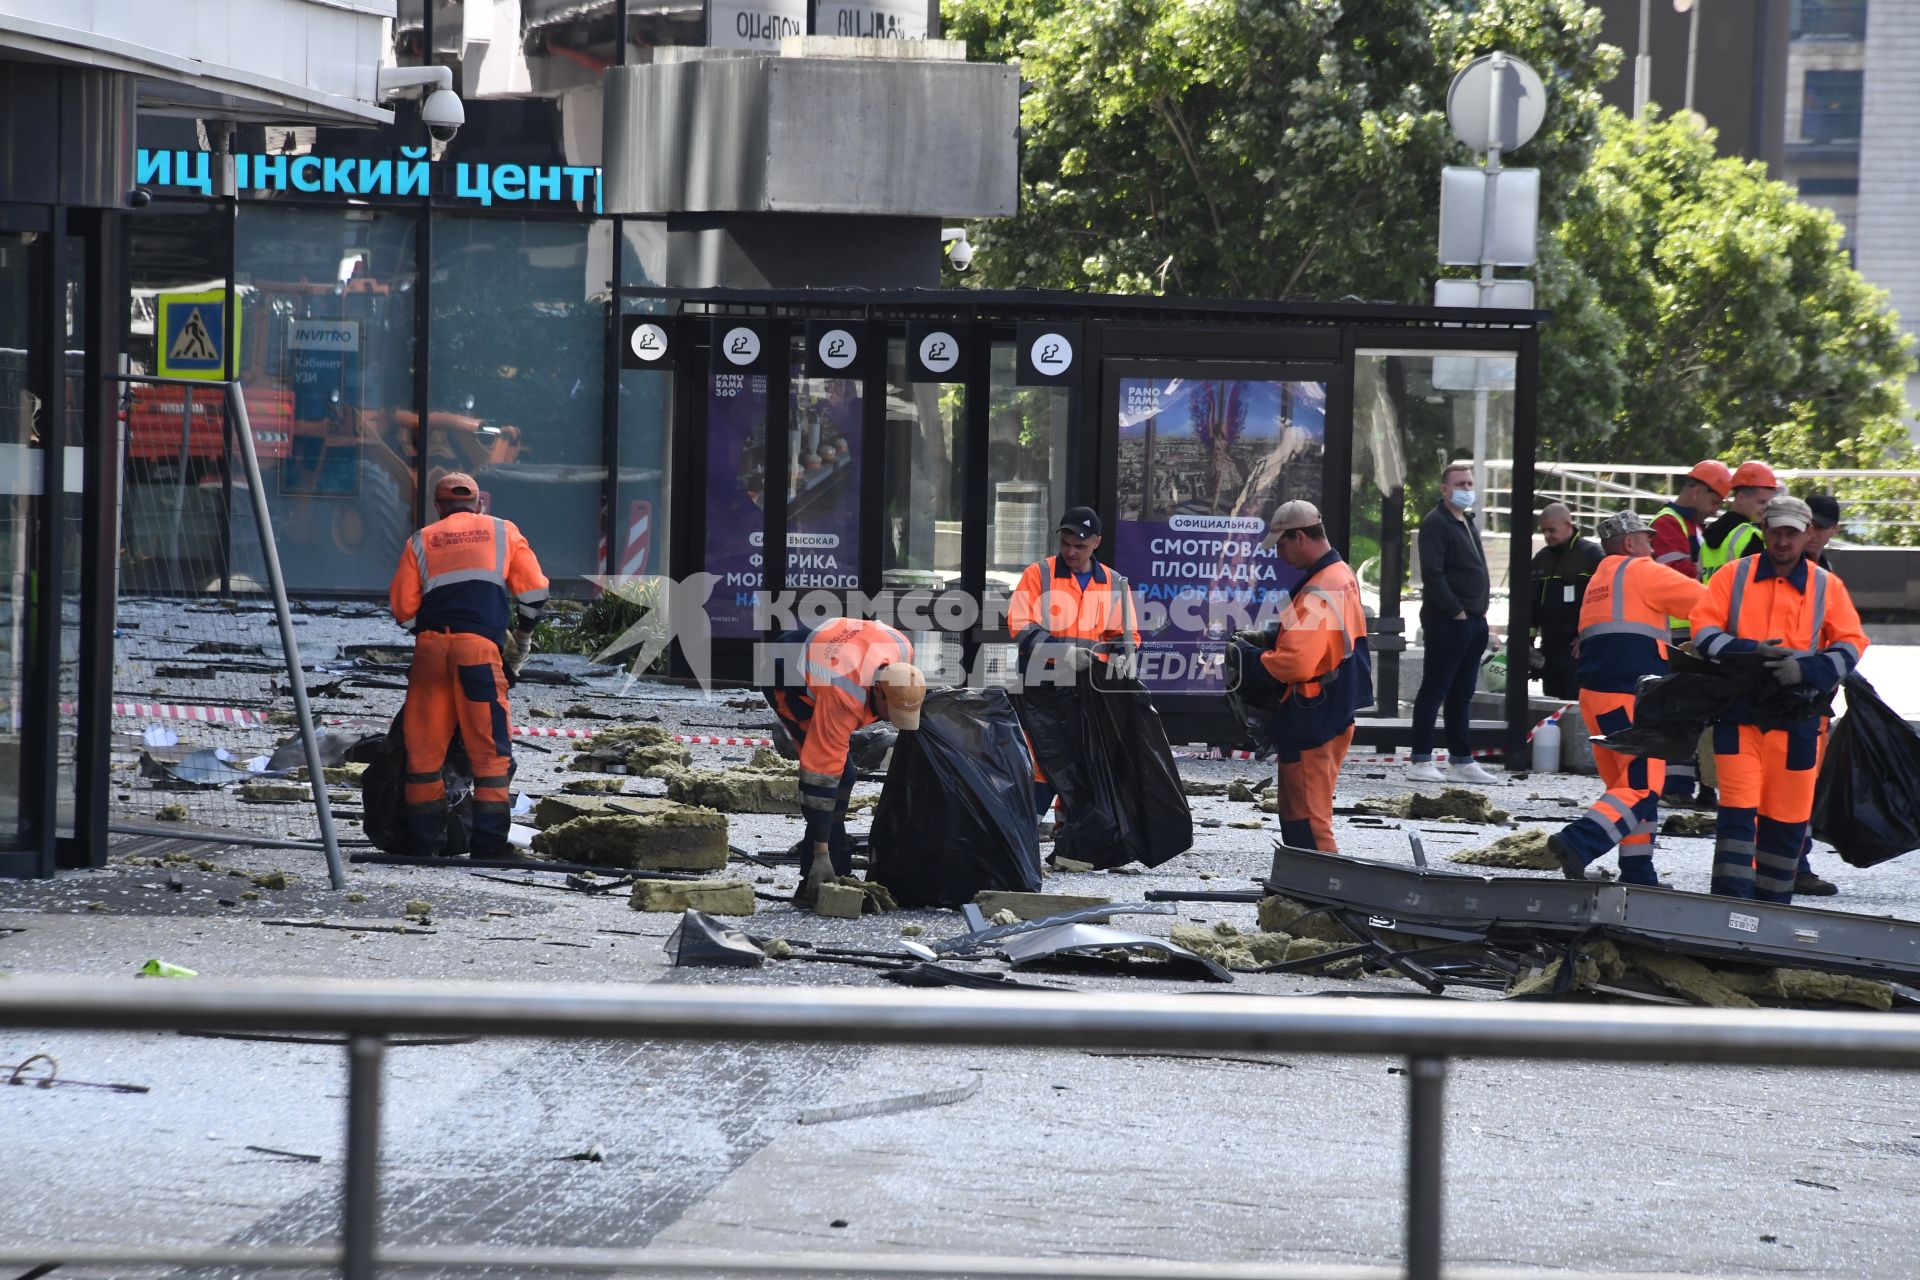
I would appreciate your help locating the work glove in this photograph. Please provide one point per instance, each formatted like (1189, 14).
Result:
(1772, 649)
(514, 654)
(1787, 671)
(1123, 663)
(1078, 658)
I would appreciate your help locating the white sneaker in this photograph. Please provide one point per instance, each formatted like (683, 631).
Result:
(1425, 771)
(1470, 772)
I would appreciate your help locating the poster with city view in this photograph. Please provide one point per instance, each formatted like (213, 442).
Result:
(1203, 464)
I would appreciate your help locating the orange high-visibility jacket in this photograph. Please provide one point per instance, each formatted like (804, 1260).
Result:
(1319, 628)
(842, 657)
(1050, 602)
(469, 573)
(1625, 621)
(1808, 610)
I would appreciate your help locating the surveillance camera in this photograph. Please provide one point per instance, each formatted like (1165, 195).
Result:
(443, 114)
(139, 198)
(960, 255)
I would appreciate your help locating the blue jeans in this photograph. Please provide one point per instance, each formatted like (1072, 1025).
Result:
(1454, 649)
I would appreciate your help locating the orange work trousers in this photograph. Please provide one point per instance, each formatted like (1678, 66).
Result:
(1767, 779)
(1626, 814)
(1305, 794)
(456, 683)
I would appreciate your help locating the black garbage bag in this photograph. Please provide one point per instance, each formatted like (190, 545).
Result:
(1670, 712)
(1867, 802)
(869, 747)
(1104, 750)
(956, 815)
(383, 795)
(1253, 695)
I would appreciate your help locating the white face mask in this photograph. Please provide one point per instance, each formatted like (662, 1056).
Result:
(1461, 498)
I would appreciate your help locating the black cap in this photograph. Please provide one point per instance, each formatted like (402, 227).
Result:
(1826, 510)
(1084, 521)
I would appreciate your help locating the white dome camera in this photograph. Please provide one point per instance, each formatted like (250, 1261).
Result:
(443, 114)
(960, 255)
(441, 110)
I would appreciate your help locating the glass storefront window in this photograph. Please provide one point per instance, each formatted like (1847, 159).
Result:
(643, 494)
(517, 377)
(925, 499)
(171, 515)
(823, 478)
(1028, 434)
(926, 477)
(18, 406)
(1414, 412)
(326, 362)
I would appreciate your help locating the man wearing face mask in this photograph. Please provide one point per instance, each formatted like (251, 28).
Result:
(1453, 618)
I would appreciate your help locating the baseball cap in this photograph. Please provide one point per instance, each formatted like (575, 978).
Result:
(1787, 510)
(1084, 521)
(1620, 525)
(1826, 510)
(455, 485)
(1298, 514)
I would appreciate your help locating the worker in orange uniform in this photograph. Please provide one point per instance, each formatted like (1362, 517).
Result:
(469, 588)
(1320, 655)
(1068, 612)
(1623, 639)
(826, 682)
(1800, 618)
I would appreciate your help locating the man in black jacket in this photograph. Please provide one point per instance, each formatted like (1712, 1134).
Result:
(1453, 618)
(1560, 571)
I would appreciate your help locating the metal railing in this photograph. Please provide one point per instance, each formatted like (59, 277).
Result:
(1426, 1033)
(1593, 490)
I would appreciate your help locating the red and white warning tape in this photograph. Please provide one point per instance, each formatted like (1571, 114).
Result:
(694, 739)
(174, 711)
(239, 715)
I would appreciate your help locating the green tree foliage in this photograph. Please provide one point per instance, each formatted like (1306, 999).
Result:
(1740, 328)
(1290, 149)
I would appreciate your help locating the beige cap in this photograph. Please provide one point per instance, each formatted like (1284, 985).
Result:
(1298, 514)
(906, 691)
(1786, 510)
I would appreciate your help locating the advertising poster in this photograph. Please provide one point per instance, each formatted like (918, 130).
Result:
(823, 490)
(1203, 464)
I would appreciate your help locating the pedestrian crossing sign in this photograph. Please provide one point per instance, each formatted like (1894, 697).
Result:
(191, 331)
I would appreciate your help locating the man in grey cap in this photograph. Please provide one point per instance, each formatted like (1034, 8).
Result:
(1319, 657)
(1623, 639)
(1823, 515)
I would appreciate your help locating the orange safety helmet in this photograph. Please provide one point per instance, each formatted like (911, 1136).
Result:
(1713, 474)
(1754, 475)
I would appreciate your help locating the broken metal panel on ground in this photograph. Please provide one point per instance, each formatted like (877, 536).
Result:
(1669, 919)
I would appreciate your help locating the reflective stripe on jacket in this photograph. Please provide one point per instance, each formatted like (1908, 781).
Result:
(840, 660)
(1625, 618)
(469, 573)
(1049, 602)
(1808, 611)
(1321, 655)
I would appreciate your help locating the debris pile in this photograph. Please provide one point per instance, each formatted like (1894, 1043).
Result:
(715, 897)
(1279, 914)
(1689, 824)
(1227, 946)
(1032, 906)
(644, 750)
(671, 837)
(765, 784)
(1453, 804)
(1607, 967)
(1523, 851)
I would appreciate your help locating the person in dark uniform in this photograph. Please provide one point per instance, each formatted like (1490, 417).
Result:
(1560, 572)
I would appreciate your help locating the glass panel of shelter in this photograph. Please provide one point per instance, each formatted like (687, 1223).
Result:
(19, 481)
(1414, 411)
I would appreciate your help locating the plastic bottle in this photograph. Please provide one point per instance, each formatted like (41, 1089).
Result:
(1546, 746)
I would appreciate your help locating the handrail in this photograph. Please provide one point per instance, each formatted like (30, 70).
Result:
(1427, 1033)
